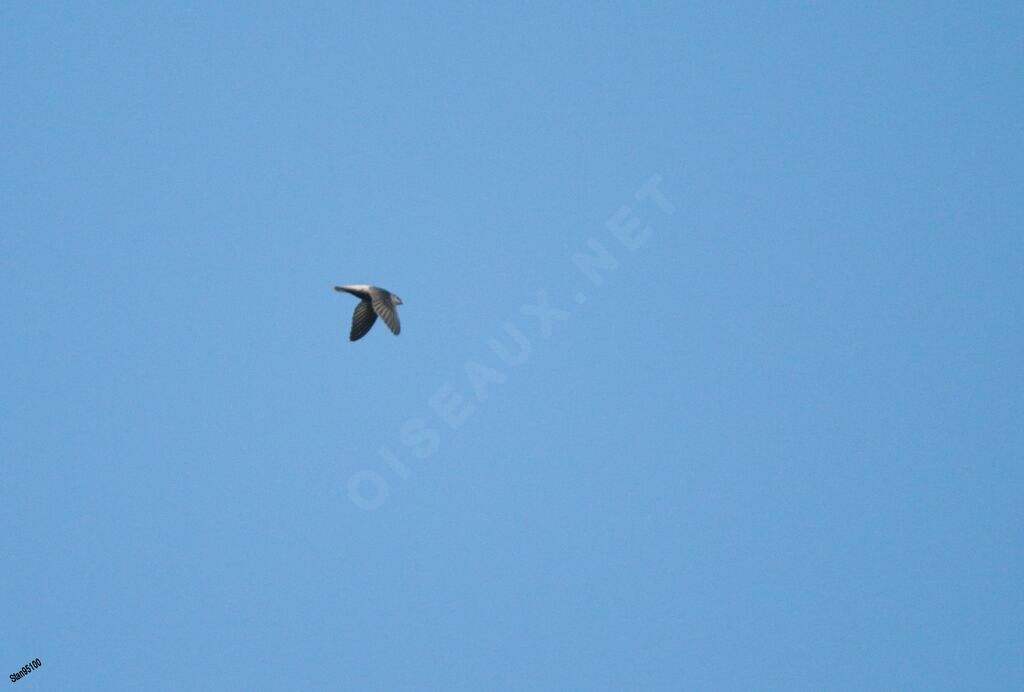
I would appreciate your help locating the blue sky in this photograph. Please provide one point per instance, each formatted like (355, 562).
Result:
(778, 447)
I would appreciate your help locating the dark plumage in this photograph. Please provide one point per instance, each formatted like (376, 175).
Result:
(373, 302)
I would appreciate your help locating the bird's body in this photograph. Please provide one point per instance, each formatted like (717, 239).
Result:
(373, 302)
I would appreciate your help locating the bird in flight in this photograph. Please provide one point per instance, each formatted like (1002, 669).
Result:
(373, 301)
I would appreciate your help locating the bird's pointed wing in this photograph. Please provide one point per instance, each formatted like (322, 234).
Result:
(362, 320)
(386, 309)
(358, 291)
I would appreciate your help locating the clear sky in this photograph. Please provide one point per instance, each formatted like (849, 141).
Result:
(710, 374)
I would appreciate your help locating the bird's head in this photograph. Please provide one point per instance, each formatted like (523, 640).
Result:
(396, 299)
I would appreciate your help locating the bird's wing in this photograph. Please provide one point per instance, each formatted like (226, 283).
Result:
(386, 309)
(362, 320)
(354, 290)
